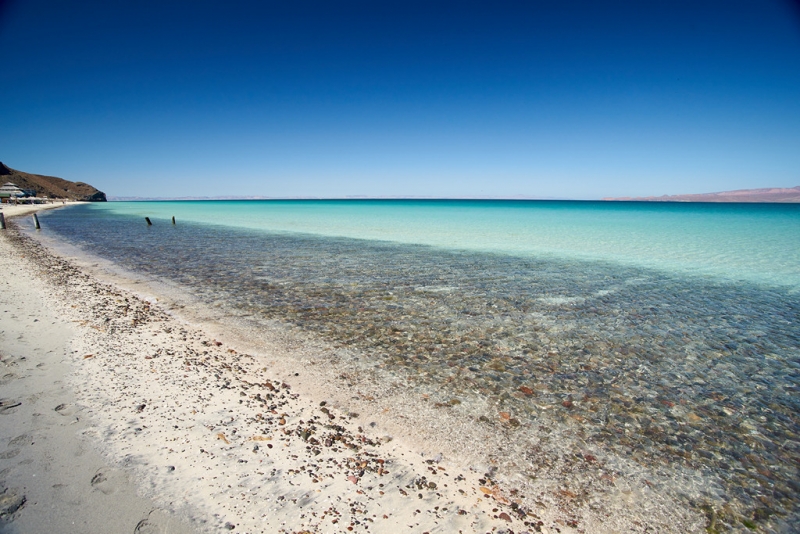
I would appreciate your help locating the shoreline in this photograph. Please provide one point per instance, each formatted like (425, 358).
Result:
(149, 357)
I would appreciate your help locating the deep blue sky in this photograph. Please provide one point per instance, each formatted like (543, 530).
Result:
(546, 99)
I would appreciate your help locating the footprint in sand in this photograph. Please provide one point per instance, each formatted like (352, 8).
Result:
(156, 522)
(65, 409)
(20, 440)
(10, 502)
(14, 446)
(9, 454)
(7, 406)
(6, 378)
(108, 480)
(145, 526)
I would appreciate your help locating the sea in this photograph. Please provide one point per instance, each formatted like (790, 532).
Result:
(663, 337)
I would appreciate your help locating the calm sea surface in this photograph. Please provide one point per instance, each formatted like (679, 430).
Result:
(667, 334)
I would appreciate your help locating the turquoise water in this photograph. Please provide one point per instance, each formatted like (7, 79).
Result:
(754, 242)
(664, 334)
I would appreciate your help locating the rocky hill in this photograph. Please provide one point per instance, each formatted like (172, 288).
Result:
(771, 194)
(51, 186)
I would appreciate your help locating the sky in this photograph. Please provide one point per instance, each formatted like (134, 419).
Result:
(567, 99)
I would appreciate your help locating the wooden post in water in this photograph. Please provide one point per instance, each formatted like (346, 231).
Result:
(173, 219)
(148, 221)
(36, 222)
(2, 222)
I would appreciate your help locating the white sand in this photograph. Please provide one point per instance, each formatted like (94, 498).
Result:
(51, 477)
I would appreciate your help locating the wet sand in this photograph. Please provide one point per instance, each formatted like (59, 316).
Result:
(213, 435)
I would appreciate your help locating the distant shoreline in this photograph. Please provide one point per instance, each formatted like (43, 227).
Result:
(764, 195)
(603, 200)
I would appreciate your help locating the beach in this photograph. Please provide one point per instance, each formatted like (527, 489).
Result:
(311, 269)
(320, 419)
(52, 477)
(119, 413)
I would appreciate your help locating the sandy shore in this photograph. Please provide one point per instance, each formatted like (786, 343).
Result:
(188, 426)
(17, 210)
(117, 412)
(52, 478)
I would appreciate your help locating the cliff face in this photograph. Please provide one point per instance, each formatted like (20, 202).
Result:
(51, 186)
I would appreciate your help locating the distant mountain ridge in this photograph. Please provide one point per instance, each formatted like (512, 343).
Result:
(51, 186)
(768, 194)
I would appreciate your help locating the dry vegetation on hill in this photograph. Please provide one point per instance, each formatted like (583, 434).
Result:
(51, 186)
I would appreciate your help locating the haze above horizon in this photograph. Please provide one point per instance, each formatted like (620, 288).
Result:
(560, 100)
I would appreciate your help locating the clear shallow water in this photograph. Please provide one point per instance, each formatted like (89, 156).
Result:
(687, 360)
(759, 243)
